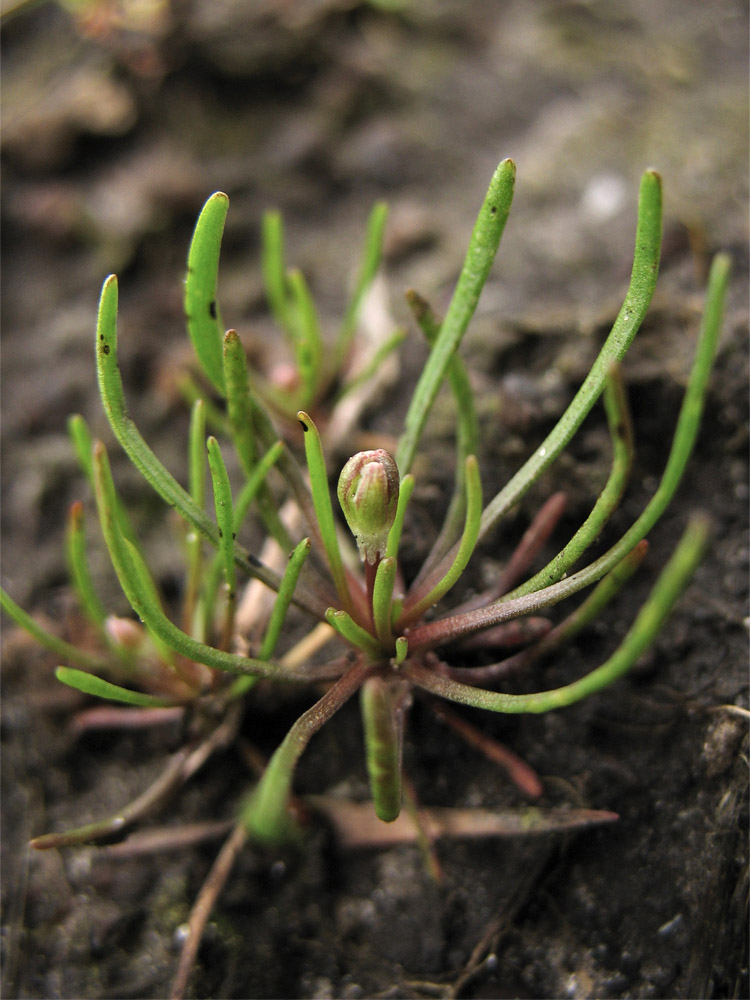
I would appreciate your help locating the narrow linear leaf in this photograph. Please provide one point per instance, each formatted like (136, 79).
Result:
(586, 612)
(414, 609)
(685, 434)
(371, 257)
(194, 541)
(308, 347)
(113, 399)
(242, 411)
(78, 566)
(284, 598)
(201, 306)
(234, 362)
(274, 270)
(382, 594)
(255, 481)
(125, 559)
(402, 650)
(620, 429)
(323, 508)
(244, 500)
(276, 621)
(382, 748)
(669, 586)
(637, 300)
(83, 444)
(354, 633)
(266, 815)
(196, 453)
(467, 431)
(224, 512)
(394, 535)
(483, 245)
(63, 650)
(90, 684)
(80, 436)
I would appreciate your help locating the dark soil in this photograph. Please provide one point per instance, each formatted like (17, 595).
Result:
(113, 137)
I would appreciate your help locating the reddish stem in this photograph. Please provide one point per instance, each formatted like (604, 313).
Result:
(519, 772)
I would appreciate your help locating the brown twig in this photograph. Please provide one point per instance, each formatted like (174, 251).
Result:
(203, 906)
(519, 772)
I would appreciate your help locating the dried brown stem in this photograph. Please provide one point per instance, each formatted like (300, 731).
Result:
(203, 906)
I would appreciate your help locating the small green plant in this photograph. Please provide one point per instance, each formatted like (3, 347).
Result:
(321, 372)
(386, 631)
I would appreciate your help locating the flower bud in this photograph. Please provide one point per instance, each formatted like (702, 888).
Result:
(368, 494)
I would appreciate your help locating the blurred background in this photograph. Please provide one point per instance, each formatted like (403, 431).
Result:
(120, 118)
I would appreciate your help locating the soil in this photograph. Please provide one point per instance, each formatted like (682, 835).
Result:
(116, 128)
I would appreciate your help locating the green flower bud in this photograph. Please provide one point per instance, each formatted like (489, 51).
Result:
(368, 494)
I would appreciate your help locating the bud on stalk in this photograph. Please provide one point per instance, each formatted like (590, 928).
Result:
(368, 494)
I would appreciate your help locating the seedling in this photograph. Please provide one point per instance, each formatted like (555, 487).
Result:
(319, 373)
(387, 632)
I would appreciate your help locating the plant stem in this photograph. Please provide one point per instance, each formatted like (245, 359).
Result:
(266, 816)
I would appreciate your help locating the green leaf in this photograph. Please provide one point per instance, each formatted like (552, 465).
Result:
(383, 747)
(243, 410)
(637, 299)
(239, 407)
(127, 563)
(618, 419)
(113, 399)
(194, 541)
(63, 650)
(78, 567)
(266, 815)
(354, 633)
(278, 614)
(224, 512)
(394, 535)
(89, 684)
(416, 605)
(483, 245)
(467, 432)
(688, 423)
(274, 270)
(323, 508)
(382, 594)
(204, 321)
(671, 582)
(308, 345)
(371, 257)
